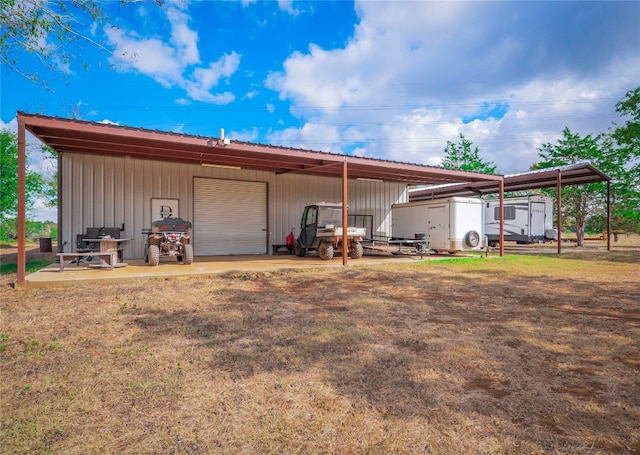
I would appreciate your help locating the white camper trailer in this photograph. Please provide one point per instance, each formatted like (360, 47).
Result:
(452, 224)
(527, 219)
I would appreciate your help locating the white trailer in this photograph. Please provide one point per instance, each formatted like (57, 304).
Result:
(527, 219)
(452, 224)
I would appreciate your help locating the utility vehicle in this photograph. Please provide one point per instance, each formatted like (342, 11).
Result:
(321, 230)
(169, 237)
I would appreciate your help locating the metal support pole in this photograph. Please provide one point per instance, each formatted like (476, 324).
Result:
(22, 204)
(502, 217)
(559, 208)
(345, 216)
(608, 215)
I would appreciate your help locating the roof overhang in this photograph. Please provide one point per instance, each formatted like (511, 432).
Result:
(67, 136)
(572, 174)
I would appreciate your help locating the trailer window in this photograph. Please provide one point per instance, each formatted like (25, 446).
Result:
(509, 213)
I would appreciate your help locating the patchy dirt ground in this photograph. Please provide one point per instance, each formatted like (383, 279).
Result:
(522, 354)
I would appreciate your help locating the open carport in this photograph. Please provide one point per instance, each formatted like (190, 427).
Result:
(579, 173)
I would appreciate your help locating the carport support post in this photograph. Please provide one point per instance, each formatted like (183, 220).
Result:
(22, 204)
(559, 209)
(502, 217)
(345, 216)
(608, 215)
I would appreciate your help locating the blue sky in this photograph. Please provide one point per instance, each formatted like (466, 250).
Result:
(383, 79)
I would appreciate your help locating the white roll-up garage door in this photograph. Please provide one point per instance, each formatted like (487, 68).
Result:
(230, 217)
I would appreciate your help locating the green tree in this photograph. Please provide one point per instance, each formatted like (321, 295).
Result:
(580, 202)
(35, 183)
(628, 135)
(461, 156)
(624, 142)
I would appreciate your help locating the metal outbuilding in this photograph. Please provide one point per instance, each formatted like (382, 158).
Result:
(110, 174)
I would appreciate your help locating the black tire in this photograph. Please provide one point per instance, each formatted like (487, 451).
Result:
(493, 243)
(325, 250)
(188, 254)
(299, 250)
(154, 255)
(355, 250)
(472, 239)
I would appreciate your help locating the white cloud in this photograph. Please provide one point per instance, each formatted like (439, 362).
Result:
(250, 135)
(151, 56)
(184, 39)
(202, 80)
(174, 63)
(11, 126)
(414, 71)
(42, 212)
(287, 5)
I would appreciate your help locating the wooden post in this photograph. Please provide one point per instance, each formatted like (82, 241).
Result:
(559, 209)
(345, 216)
(22, 204)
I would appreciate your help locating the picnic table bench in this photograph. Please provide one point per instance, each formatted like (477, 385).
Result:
(110, 258)
(103, 243)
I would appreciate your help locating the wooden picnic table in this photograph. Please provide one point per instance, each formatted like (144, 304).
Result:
(109, 245)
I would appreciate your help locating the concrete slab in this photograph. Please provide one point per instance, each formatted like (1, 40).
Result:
(202, 266)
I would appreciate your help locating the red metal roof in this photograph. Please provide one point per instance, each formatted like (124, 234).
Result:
(75, 136)
(571, 174)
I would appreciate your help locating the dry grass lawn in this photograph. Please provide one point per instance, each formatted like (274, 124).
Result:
(514, 355)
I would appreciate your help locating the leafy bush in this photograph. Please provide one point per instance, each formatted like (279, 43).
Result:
(35, 230)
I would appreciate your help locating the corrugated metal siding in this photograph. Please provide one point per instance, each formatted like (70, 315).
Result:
(100, 191)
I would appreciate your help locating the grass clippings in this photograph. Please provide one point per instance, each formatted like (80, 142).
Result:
(522, 354)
